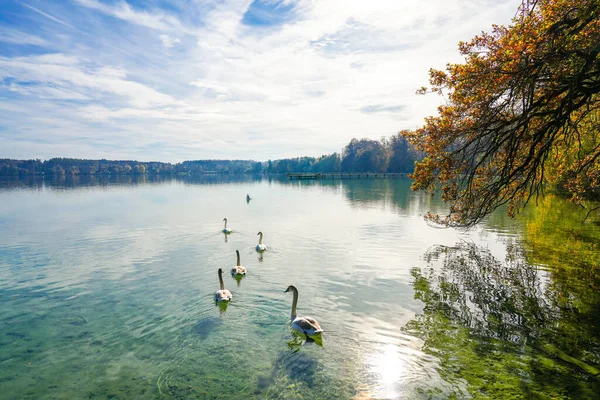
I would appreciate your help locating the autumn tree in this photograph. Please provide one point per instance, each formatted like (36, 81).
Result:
(523, 105)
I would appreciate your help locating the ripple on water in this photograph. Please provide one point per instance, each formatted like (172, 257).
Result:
(109, 293)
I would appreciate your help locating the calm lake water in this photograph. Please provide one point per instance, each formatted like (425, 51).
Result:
(106, 292)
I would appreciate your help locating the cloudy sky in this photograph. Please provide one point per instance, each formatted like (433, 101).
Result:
(175, 80)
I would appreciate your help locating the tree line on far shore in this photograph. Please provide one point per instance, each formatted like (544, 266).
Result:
(393, 154)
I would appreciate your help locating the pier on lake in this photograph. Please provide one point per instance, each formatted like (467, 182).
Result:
(344, 175)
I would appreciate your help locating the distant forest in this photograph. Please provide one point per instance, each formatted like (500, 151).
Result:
(393, 154)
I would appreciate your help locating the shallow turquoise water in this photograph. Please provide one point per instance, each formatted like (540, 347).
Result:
(106, 288)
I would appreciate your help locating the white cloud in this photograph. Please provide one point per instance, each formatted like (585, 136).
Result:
(159, 21)
(14, 36)
(67, 74)
(47, 92)
(169, 41)
(339, 69)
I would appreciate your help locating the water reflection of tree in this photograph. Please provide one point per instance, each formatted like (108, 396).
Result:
(391, 194)
(369, 191)
(68, 182)
(504, 328)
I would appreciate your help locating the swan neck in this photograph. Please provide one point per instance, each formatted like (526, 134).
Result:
(225, 224)
(221, 285)
(260, 238)
(238, 258)
(294, 303)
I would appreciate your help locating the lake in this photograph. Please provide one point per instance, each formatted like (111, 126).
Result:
(107, 285)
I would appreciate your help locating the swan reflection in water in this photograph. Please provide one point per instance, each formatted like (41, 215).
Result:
(238, 278)
(300, 338)
(222, 306)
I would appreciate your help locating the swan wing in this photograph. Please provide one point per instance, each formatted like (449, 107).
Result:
(223, 295)
(307, 324)
(238, 270)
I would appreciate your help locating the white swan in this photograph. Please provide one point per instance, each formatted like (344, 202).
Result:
(238, 269)
(260, 246)
(308, 325)
(225, 229)
(222, 294)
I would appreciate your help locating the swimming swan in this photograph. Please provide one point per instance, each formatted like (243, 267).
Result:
(238, 269)
(308, 325)
(260, 246)
(222, 294)
(225, 230)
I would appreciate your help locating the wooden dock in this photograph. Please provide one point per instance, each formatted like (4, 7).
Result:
(345, 175)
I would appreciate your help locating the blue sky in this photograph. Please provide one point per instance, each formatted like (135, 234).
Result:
(197, 79)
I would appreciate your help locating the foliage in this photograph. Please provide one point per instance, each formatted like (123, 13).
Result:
(219, 166)
(364, 155)
(327, 163)
(402, 154)
(394, 154)
(523, 105)
(299, 164)
(20, 167)
(74, 166)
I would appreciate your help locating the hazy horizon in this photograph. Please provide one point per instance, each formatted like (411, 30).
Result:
(234, 79)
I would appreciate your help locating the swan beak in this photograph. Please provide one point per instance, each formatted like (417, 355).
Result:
(286, 290)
